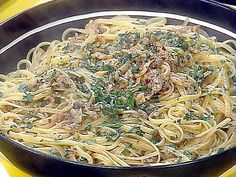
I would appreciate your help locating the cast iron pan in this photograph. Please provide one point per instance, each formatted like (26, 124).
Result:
(16, 41)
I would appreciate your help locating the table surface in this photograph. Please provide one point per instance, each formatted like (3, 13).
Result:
(9, 8)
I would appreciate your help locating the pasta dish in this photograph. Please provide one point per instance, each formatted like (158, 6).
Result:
(124, 92)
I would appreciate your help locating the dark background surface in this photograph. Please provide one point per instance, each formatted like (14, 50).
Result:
(231, 2)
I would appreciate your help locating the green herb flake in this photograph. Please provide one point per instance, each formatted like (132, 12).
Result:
(143, 88)
(13, 126)
(110, 69)
(90, 142)
(137, 130)
(143, 105)
(174, 146)
(29, 115)
(175, 41)
(190, 155)
(206, 117)
(188, 116)
(113, 122)
(28, 97)
(29, 126)
(23, 88)
(128, 145)
(234, 110)
(123, 58)
(113, 101)
(155, 139)
(66, 47)
(134, 69)
(128, 39)
(220, 150)
(194, 36)
(112, 136)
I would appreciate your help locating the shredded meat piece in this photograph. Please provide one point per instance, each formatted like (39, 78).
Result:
(123, 83)
(93, 26)
(154, 82)
(100, 38)
(59, 83)
(156, 62)
(165, 86)
(110, 87)
(86, 108)
(167, 155)
(135, 48)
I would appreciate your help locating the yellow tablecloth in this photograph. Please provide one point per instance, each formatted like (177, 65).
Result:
(9, 8)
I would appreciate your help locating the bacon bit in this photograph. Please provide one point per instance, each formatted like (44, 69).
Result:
(163, 48)
(100, 38)
(147, 81)
(185, 142)
(167, 155)
(157, 134)
(49, 121)
(153, 65)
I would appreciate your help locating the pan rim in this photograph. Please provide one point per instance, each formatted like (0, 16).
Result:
(113, 13)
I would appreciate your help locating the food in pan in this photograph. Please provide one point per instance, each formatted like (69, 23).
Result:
(123, 92)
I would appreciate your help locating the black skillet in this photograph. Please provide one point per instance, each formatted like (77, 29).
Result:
(41, 164)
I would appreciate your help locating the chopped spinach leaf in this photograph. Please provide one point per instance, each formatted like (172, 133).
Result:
(220, 150)
(155, 139)
(29, 126)
(137, 130)
(28, 97)
(134, 69)
(127, 40)
(234, 109)
(188, 116)
(197, 73)
(113, 122)
(23, 88)
(112, 136)
(128, 145)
